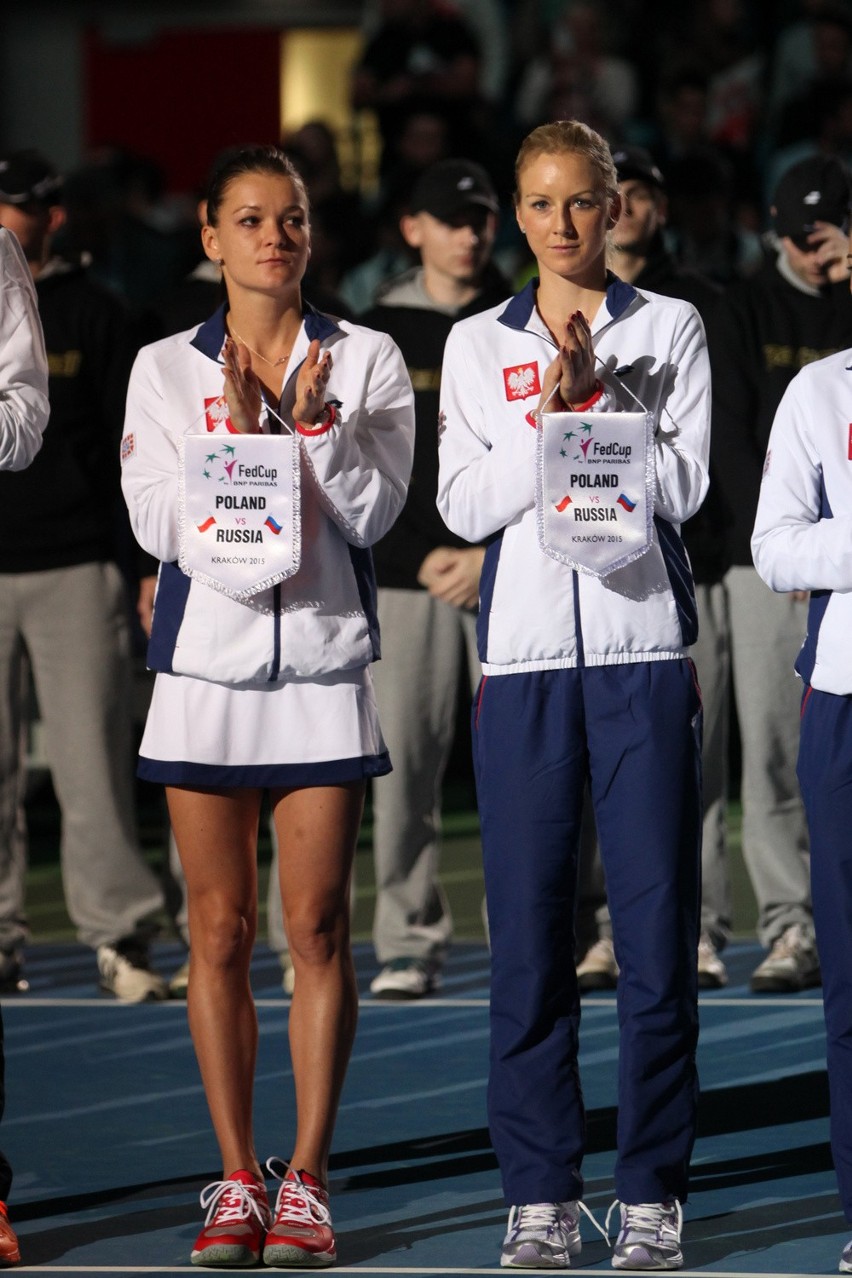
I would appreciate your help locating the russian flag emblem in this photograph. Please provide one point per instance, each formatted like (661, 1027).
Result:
(625, 501)
(272, 524)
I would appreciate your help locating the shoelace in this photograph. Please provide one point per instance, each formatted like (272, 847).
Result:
(547, 1215)
(229, 1201)
(303, 1205)
(646, 1215)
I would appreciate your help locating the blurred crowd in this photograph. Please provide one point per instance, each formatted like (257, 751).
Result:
(725, 94)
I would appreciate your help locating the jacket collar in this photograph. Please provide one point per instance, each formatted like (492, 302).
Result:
(210, 337)
(521, 307)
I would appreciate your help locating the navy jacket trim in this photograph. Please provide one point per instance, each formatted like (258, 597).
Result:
(680, 579)
(210, 337)
(486, 592)
(264, 775)
(361, 558)
(806, 660)
(520, 307)
(172, 594)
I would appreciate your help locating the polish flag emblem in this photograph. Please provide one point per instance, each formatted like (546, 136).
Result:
(521, 381)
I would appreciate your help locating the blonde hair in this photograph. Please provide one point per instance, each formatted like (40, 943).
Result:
(567, 137)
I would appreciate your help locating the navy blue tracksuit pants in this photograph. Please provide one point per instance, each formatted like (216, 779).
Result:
(825, 776)
(634, 732)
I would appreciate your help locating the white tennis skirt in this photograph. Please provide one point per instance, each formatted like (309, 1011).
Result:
(322, 731)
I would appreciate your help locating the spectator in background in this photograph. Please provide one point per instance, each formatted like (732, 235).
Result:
(59, 547)
(816, 45)
(575, 74)
(704, 231)
(139, 240)
(340, 232)
(419, 52)
(23, 416)
(428, 580)
(795, 310)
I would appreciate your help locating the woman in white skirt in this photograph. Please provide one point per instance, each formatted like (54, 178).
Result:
(270, 691)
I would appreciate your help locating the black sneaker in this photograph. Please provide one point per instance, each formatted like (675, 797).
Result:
(12, 979)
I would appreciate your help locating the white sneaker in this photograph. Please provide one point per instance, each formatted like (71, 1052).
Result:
(649, 1237)
(179, 983)
(598, 969)
(791, 965)
(288, 972)
(125, 972)
(542, 1236)
(845, 1265)
(712, 973)
(405, 978)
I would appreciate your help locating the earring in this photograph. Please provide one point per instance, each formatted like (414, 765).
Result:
(220, 261)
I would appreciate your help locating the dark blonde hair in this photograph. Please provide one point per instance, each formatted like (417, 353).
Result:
(567, 137)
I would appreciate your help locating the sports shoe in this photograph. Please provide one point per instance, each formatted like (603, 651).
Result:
(712, 973)
(10, 1252)
(542, 1236)
(404, 978)
(238, 1217)
(288, 973)
(649, 1237)
(598, 969)
(301, 1235)
(845, 1265)
(126, 973)
(12, 979)
(791, 965)
(179, 983)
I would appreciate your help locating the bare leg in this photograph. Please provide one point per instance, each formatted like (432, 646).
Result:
(317, 829)
(216, 834)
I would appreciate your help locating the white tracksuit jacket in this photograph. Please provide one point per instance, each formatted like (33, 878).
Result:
(536, 613)
(803, 528)
(24, 408)
(354, 479)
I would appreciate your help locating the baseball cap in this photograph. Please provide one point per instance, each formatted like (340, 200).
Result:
(636, 162)
(27, 178)
(450, 186)
(817, 189)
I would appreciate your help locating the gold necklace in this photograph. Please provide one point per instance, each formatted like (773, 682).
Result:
(273, 363)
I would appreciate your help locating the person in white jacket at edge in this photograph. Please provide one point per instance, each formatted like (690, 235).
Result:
(24, 411)
(272, 695)
(802, 540)
(585, 679)
(23, 364)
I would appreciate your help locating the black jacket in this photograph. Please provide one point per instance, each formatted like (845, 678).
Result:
(66, 508)
(421, 334)
(766, 330)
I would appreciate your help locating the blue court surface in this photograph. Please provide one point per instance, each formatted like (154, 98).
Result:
(107, 1128)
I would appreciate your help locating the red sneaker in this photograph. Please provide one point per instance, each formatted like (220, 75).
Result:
(238, 1217)
(10, 1252)
(301, 1235)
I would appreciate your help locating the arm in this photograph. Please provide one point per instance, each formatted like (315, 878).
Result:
(24, 406)
(795, 546)
(149, 464)
(361, 455)
(483, 483)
